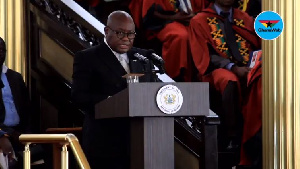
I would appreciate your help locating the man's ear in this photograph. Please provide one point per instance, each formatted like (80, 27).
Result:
(106, 30)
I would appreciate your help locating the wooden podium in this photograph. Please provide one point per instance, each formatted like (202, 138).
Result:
(152, 131)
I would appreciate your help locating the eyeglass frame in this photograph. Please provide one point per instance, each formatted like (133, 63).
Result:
(118, 33)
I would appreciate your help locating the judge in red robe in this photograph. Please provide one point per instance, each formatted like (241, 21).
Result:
(221, 38)
(168, 21)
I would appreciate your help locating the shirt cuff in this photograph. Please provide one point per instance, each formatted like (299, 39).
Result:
(229, 66)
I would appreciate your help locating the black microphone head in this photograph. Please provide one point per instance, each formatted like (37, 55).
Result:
(141, 57)
(154, 57)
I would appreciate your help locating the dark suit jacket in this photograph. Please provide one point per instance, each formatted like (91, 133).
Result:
(97, 74)
(22, 103)
(21, 100)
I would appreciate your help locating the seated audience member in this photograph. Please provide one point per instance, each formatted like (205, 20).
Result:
(168, 21)
(14, 109)
(221, 38)
(251, 149)
(97, 75)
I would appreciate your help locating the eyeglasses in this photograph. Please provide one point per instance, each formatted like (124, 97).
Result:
(121, 34)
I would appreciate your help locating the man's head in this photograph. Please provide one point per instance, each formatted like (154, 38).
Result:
(2, 51)
(225, 3)
(120, 31)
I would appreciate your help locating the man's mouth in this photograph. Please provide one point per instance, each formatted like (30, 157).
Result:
(124, 46)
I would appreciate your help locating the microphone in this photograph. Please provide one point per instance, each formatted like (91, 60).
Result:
(155, 58)
(141, 58)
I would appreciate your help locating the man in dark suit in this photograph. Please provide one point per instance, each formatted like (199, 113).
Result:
(14, 107)
(97, 74)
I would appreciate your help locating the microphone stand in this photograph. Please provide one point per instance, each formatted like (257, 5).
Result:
(154, 71)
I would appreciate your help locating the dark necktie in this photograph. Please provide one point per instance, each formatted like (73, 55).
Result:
(2, 108)
(230, 38)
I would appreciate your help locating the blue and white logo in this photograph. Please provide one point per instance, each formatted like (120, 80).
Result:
(268, 25)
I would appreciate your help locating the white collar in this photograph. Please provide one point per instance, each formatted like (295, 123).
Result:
(4, 68)
(118, 55)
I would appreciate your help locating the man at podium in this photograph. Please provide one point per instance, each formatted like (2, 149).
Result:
(97, 74)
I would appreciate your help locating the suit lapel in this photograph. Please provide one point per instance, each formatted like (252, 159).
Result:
(110, 60)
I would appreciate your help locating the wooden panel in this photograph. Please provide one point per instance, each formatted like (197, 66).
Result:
(159, 145)
(50, 59)
(152, 145)
(58, 58)
(49, 115)
(184, 159)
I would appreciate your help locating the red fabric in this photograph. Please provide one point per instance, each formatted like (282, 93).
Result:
(136, 11)
(174, 36)
(175, 49)
(198, 6)
(200, 36)
(139, 8)
(165, 4)
(252, 109)
(94, 3)
(219, 79)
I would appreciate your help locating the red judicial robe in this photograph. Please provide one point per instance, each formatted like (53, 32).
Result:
(139, 8)
(252, 108)
(173, 35)
(205, 31)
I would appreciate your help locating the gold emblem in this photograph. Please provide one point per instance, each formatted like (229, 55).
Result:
(170, 98)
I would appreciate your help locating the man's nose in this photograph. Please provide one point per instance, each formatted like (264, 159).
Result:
(125, 38)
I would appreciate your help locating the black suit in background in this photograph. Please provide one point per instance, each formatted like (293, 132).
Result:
(21, 101)
(97, 74)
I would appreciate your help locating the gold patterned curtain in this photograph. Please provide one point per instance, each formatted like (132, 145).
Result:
(12, 30)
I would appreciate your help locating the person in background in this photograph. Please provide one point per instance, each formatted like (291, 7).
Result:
(14, 109)
(168, 20)
(221, 39)
(97, 75)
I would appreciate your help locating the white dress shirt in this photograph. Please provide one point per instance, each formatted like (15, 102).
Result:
(122, 58)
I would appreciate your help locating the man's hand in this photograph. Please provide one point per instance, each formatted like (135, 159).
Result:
(241, 72)
(6, 147)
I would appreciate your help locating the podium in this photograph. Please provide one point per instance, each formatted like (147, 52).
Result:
(152, 131)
